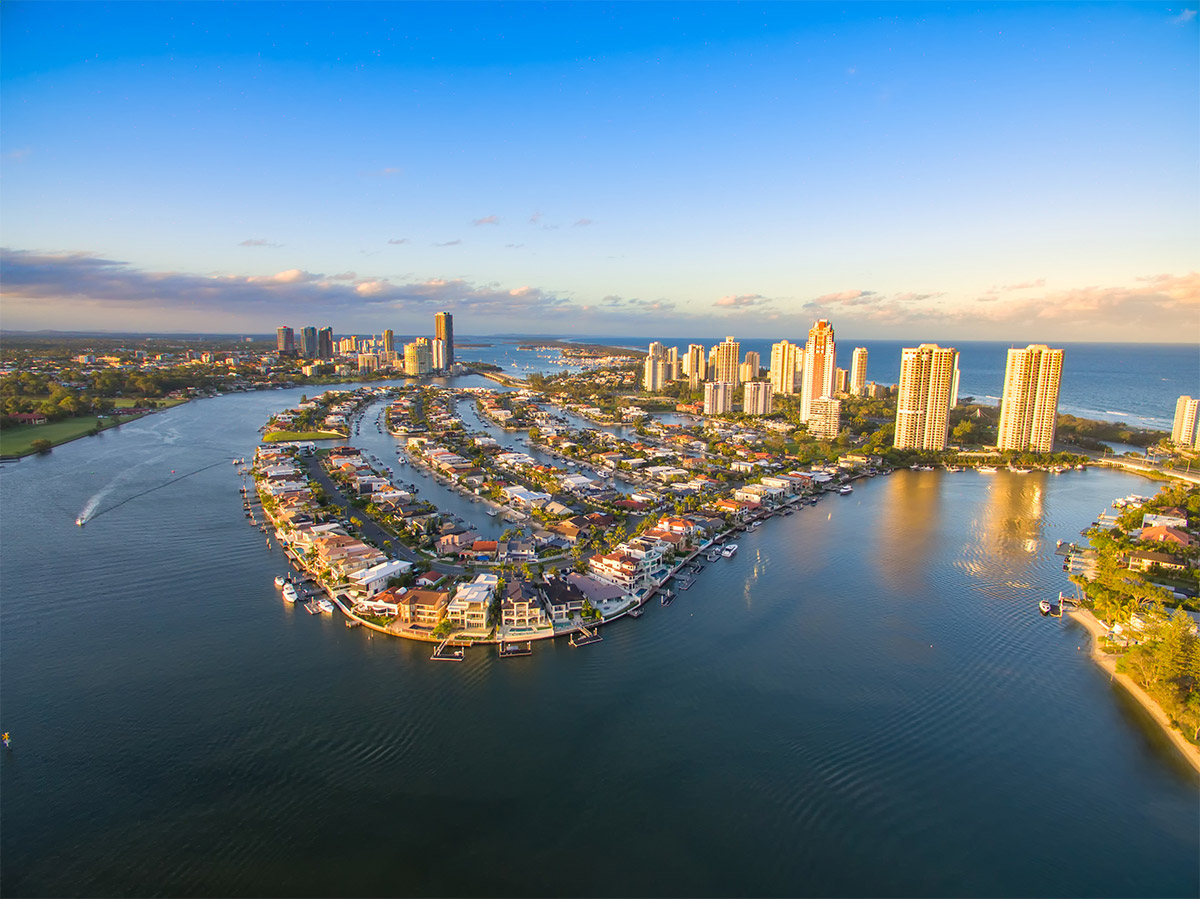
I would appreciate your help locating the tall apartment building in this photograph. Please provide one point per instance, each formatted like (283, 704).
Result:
(443, 329)
(1029, 404)
(439, 354)
(347, 345)
(718, 397)
(325, 343)
(695, 366)
(1183, 431)
(751, 366)
(841, 381)
(825, 420)
(308, 343)
(858, 371)
(389, 345)
(820, 361)
(418, 358)
(729, 358)
(285, 340)
(368, 362)
(784, 363)
(928, 391)
(673, 365)
(654, 367)
(756, 398)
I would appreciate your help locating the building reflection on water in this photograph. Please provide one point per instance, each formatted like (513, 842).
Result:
(1006, 532)
(910, 526)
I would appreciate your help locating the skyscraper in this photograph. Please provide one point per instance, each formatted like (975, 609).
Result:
(325, 343)
(718, 397)
(784, 357)
(389, 345)
(439, 354)
(1029, 405)
(820, 360)
(928, 390)
(444, 330)
(673, 364)
(729, 357)
(285, 340)
(418, 358)
(308, 342)
(756, 398)
(695, 365)
(1183, 432)
(653, 370)
(858, 371)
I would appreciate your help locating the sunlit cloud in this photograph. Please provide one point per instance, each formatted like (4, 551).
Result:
(1026, 285)
(487, 220)
(1184, 17)
(741, 301)
(449, 243)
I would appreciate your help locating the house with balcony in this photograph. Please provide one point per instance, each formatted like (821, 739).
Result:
(468, 610)
(521, 606)
(562, 599)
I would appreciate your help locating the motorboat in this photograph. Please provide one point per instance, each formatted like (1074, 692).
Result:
(325, 606)
(80, 521)
(280, 580)
(844, 489)
(729, 551)
(289, 592)
(986, 469)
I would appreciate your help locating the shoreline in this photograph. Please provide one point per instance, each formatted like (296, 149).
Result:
(1090, 623)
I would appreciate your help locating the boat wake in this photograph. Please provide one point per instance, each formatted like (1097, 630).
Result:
(90, 511)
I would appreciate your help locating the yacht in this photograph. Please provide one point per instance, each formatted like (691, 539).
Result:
(729, 551)
(289, 593)
(844, 489)
(79, 521)
(325, 606)
(986, 469)
(280, 580)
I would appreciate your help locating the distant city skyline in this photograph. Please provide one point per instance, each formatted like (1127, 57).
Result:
(930, 172)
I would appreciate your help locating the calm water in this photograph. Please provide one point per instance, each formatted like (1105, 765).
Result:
(863, 701)
(1134, 383)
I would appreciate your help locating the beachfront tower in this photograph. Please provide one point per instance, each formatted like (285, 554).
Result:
(825, 422)
(820, 361)
(784, 362)
(325, 343)
(858, 371)
(1183, 432)
(928, 391)
(308, 343)
(1029, 404)
(443, 324)
(695, 366)
(729, 357)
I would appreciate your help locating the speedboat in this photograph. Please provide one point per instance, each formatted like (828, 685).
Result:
(80, 520)
(325, 606)
(280, 580)
(729, 551)
(289, 592)
(986, 469)
(844, 489)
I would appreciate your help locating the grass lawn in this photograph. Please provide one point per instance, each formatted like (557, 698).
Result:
(18, 441)
(278, 436)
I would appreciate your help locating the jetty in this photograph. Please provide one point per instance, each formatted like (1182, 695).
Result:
(512, 650)
(448, 651)
(583, 637)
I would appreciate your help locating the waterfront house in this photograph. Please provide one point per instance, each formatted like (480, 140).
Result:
(521, 605)
(1144, 561)
(375, 579)
(563, 599)
(469, 608)
(423, 609)
(1163, 534)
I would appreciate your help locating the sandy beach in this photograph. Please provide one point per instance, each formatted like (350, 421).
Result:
(1108, 662)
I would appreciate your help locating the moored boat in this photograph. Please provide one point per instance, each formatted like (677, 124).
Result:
(729, 551)
(280, 580)
(844, 489)
(289, 592)
(325, 606)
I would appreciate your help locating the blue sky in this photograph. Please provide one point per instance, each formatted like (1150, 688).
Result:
(928, 171)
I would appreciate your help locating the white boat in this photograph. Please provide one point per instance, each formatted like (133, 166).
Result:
(79, 521)
(728, 552)
(492, 513)
(289, 593)
(280, 580)
(844, 489)
(986, 469)
(325, 606)
(1020, 470)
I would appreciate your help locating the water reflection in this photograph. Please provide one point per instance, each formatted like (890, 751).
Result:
(909, 526)
(1007, 531)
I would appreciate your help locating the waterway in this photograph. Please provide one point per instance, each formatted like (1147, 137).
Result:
(863, 701)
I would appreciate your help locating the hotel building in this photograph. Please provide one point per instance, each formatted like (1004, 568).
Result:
(1029, 404)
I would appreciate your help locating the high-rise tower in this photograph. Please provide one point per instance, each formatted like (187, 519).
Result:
(928, 390)
(858, 371)
(820, 361)
(443, 324)
(285, 340)
(728, 360)
(1183, 431)
(1029, 405)
(784, 362)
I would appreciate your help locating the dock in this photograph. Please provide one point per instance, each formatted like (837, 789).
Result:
(512, 650)
(588, 637)
(446, 652)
